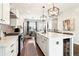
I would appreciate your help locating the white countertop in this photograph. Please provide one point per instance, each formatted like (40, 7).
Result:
(7, 40)
(55, 35)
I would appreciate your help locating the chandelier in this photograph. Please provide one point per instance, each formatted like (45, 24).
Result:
(54, 11)
(43, 17)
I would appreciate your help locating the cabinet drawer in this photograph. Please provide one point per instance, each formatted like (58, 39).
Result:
(43, 43)
(10, 50)
(11, 46)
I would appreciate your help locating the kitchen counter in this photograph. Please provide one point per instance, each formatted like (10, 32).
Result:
(5, 41)
(54, 44)
(55, 35)
(9, 46)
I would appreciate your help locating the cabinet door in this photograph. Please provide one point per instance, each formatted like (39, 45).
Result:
(37, 38)
(0, 12)
(16, 47)
(56, 47)
(13, 22)
(6, 13)
(44, 45)
(1, 51)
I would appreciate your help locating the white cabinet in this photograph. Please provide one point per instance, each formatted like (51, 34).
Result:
(43, 43)
(9, 47)
(51, 47)
(1, 51)
(4, 13)
(14, 12)
(14, 17)
(56, 47)
(0, 12)
(13, 22)
(53, 44)
(16, 47)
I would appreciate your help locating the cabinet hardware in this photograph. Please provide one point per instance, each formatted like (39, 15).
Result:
(57, 42)
(1, 19)
(12, 51)
(12, 45)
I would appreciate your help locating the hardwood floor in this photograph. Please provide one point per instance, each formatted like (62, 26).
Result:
(31, 48)
(76, 50)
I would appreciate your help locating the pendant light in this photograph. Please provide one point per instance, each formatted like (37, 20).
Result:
(43, 17)
(54, 11)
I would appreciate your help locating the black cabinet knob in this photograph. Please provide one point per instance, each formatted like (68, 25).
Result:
(57, 42)
(1, 19)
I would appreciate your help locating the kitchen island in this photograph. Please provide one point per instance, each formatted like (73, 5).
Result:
(55, 44)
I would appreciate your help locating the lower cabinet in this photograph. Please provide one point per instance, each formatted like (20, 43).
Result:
(10, 50)
(55, 46)
(43, 43)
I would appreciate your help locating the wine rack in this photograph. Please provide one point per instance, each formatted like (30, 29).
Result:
(66, 47)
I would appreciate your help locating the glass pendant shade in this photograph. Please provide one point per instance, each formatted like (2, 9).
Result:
(53, 11)
(43, 17)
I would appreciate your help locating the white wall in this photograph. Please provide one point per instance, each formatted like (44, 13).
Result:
(70, 13)
(76, 14)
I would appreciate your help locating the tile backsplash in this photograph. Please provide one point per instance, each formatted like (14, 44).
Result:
(6, 28)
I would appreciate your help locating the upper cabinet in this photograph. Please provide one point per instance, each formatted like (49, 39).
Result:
(14, 13)
(4, 13)
(14, 16)
(0, 12)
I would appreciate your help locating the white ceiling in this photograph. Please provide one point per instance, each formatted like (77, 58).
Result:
(34, 10)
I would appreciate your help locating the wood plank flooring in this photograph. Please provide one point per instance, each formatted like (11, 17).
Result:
(31, 48)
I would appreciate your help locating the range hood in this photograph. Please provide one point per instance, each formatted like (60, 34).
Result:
(13, 15)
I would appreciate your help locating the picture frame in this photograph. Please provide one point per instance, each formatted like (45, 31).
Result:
(69, 25)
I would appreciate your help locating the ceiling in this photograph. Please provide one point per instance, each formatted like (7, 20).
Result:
(34, 10)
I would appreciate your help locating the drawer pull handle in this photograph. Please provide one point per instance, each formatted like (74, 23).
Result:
(1, 19)
(12, 51)
(12, 45)
(57, 42)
